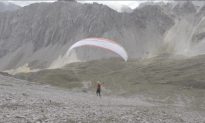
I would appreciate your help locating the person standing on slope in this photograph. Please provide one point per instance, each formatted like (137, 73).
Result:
(98, 92)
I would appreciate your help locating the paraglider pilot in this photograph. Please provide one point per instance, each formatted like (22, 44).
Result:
(98, 91)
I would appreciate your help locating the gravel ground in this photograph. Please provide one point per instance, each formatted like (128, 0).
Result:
(28, 102)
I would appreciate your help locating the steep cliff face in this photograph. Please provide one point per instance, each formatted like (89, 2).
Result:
(186, 36)
(40, 34)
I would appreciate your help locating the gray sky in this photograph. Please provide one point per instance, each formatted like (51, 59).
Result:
(25, 3)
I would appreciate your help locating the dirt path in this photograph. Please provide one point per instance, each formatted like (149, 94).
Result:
(26, 102)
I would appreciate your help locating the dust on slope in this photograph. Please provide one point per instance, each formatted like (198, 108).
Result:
(157, 70)
(160, 79)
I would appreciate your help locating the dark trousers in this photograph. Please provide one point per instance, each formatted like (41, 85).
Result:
(98, 92)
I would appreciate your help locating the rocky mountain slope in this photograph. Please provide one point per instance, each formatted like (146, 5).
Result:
(149, 77)
(48, 29)
(8, 7)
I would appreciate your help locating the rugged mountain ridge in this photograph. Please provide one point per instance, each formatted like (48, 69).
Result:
(48, 29)
(4, 7)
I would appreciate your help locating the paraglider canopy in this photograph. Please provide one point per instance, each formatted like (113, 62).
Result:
(101, 43)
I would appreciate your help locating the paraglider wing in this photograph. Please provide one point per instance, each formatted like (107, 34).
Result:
(101, 43)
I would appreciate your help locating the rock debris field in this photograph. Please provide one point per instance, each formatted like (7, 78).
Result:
(29, 102)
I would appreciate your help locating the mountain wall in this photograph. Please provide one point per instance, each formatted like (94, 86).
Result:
(8, 7)
(37, 36)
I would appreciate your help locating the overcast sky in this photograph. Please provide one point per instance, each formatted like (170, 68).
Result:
(25, 3)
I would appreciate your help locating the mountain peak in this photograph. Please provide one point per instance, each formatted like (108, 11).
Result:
(8, 7)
